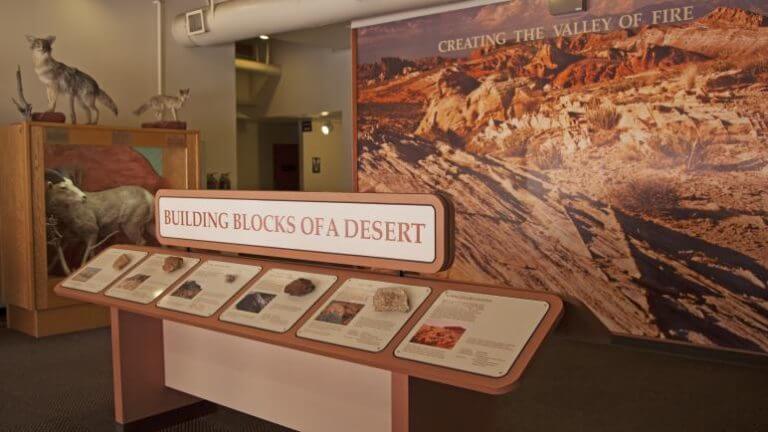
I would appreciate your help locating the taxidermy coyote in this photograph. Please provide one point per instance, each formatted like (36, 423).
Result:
(60, 78)
(160, 103)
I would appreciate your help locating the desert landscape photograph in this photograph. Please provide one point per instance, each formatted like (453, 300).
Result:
(627, 168)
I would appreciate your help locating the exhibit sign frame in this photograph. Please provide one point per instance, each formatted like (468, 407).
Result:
(406, 232)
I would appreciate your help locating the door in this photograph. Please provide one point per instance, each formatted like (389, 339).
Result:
(286, 167)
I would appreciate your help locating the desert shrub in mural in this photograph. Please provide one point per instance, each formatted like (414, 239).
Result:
(627, 168)
(97, 196)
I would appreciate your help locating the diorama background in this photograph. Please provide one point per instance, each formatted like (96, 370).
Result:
(626, 168)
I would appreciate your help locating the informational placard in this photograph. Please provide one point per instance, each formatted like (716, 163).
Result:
(209, 287)
(403, 232)
(98, 273)
(149, 279)
(267, 305)
(349, 317)
(473, 332)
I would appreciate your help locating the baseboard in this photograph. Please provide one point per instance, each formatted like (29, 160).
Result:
(169, 418)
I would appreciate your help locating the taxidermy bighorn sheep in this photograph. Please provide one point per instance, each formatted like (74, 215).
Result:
(60, 78)
(83, 216)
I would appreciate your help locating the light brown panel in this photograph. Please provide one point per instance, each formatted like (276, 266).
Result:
(16, 218)
(384, 359)
(443, 227)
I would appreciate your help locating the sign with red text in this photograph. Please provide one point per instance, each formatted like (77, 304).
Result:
(396, 231)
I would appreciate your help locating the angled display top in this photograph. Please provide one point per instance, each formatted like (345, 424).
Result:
(514, 347)
(407, 232)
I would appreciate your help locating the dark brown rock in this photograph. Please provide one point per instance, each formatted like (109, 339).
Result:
(49, 117)
(165, 125)
(300, 287)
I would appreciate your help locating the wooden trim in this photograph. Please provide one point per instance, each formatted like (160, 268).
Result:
(444, 247)
(355, 155)
(138, 368)
(16, 229)
(384, 359)
(400, 403)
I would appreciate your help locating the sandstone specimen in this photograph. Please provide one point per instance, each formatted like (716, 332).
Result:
(300, 287)
(121, 261)
(230, 278)
(391, 299)
(172, 263)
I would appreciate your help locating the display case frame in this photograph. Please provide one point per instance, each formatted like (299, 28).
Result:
(33, 307)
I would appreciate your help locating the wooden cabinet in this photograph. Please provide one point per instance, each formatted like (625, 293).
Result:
(105, 157)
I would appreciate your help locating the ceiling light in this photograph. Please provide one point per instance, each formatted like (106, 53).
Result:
(264, 37)
(325, 113)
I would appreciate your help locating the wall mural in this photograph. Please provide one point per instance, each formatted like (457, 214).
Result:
(619, 157)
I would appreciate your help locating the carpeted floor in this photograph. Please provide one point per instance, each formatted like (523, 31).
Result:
(64, 384)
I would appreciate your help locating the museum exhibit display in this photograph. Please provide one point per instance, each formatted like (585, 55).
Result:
(347, 316)
(76, 190)
(396, 215)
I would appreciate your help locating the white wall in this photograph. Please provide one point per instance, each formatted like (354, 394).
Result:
(333, 165)
(115, 42)
(314, 79)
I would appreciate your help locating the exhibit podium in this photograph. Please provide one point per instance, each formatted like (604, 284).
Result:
(314, 346)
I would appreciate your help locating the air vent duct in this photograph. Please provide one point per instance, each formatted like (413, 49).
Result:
(245, 19)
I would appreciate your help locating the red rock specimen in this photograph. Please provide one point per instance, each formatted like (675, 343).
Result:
(121, 262)
(172, 263)
(391, 299)
(300, 287)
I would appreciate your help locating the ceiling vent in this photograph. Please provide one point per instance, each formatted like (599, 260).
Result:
(196, 22)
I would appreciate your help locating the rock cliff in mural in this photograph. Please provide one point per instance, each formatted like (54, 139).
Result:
(626, 168)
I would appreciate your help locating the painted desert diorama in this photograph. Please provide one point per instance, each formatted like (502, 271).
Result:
(626, 167)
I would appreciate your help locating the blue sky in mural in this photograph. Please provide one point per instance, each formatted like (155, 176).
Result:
(154, 156)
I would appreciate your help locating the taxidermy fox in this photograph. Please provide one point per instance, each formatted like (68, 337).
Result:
(160, 103)
(60, 78)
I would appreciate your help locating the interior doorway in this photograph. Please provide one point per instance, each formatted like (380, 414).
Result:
(286, 163)
(269, 154)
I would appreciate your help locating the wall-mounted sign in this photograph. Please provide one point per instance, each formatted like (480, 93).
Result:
(306, 126)
(395, 231)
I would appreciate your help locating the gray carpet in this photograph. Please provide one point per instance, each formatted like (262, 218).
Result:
(64, 384)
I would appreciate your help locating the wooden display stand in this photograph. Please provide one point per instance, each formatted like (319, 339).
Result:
(166, 360)
(33, 307)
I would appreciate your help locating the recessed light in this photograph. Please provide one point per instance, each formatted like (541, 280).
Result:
(264, 37)
(325, 113)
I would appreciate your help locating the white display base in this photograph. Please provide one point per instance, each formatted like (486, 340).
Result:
(302, 391)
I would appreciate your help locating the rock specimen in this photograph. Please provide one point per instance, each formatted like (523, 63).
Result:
(121, 262)
(300, 287)
(230, 278)
(172, 263)
(391, 299)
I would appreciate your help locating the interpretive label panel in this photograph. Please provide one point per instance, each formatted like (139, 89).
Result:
(403, 232)
(153, 276)
(278, 299)
(103, 270)
(472, 332)
(349, 318)
(209, 287)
